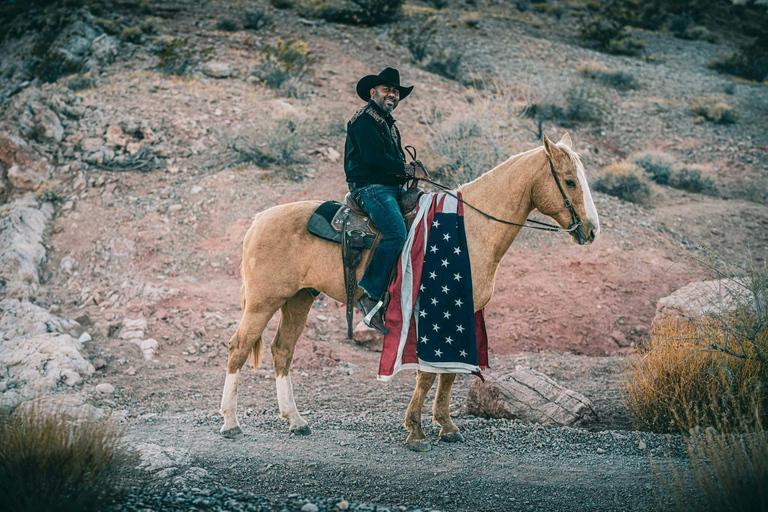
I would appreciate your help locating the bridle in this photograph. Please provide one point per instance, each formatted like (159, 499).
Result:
(542, 226)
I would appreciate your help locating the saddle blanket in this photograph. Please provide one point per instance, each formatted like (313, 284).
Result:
(431, 319)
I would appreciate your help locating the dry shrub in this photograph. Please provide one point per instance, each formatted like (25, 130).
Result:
(692, 179)
(49, 461)
(285, 60)
(658, 165)
(461, 148)
(132, 35)
(592, 68)
(714, 109)
(674, 383)
(597, 71)
(710, 371)
(274, 142)
(623, 180)
(726, 471)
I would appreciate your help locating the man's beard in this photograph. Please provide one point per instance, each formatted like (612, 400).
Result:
(381, 102)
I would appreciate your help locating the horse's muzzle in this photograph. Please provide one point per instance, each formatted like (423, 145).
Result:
(585, 234)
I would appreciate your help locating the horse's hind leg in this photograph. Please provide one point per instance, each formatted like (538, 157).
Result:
(441, 410)
(246, 341)
(417, 440)
(293, 317)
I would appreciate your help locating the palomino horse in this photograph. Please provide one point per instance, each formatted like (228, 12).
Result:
(282, 261)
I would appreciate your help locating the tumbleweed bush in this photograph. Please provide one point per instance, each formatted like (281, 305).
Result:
(49, 461)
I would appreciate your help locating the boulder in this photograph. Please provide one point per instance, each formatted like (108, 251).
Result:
(529, 396)
(698, 299)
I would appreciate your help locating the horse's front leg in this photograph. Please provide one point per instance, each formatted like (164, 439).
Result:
(441, 410)
(417, 440)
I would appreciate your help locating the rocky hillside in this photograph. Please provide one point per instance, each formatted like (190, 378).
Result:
(138, 139)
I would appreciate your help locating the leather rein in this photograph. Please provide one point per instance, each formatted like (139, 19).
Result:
(542, 226)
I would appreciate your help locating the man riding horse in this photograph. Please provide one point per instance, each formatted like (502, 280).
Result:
(374, 163)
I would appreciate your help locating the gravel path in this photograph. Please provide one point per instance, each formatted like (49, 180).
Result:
(502, 465)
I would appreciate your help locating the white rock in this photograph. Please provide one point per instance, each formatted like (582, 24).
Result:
(155, 457)
(26, 178)
(133, 329)
(174, 208)
(22, 224)
(74, 406)
(333, 155)
(84, 337)
(67, 264)
(196, 189)
(217, 69)
(105, 388)
(71, 378)
(148, 347)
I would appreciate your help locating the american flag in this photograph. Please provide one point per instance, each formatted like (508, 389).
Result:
(431, 318)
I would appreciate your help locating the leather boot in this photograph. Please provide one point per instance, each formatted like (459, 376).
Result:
(374, 313)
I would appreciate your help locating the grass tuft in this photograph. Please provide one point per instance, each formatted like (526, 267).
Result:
(49, 461)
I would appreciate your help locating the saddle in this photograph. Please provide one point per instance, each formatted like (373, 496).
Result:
(347, 224)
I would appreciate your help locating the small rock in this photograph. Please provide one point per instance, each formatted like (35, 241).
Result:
(84, 337)
(99, 363)
(105, 388)
(217, 69)
(600, 450)
(641, 445)
(196, 189)
(342, 505)
(309, 507)
(333, 155)
(115, 136)
(174, 208)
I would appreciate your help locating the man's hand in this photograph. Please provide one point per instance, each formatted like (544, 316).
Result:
(418, 171)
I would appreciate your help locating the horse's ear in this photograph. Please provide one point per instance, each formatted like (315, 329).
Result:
(566, 141)
(547, 146)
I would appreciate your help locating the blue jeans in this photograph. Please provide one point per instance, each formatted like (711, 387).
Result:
(380, 203)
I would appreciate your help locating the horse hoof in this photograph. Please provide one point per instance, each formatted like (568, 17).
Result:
(418, 445)
(232, 433)
(452, 437)
(301, 431)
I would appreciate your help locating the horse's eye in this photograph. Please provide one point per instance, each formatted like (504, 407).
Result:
(570, 183)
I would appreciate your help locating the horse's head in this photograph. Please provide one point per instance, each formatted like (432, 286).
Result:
(549, 200)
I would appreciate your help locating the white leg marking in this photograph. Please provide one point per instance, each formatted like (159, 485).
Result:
(287, 404)
(229, 401)
(589, 204)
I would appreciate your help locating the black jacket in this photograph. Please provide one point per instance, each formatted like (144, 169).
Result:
(372, 153)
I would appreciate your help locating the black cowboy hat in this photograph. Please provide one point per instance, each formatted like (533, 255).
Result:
(389, 76)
